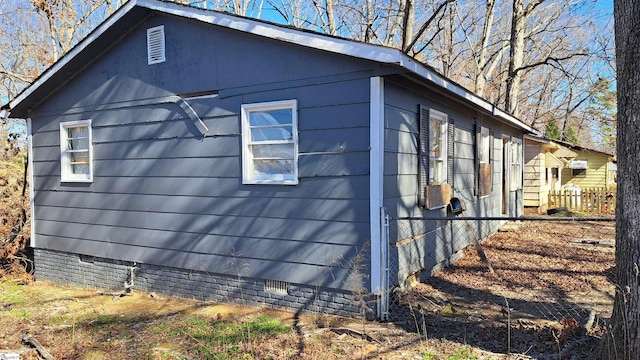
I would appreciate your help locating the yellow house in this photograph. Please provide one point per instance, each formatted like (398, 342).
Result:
(544, 164)
(590, 169)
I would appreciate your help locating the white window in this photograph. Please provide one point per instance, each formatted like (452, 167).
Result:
(437, 147)
(270, 143)
(578, 168)
(516, 164)
(485, 146)
(76, 156)
(485, 179)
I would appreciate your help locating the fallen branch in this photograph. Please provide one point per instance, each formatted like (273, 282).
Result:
(30, 340)
(354, 333)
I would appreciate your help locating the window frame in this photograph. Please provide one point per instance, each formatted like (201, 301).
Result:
(441, 160)
(249, 176)
(484, 185)
(516, 164)
(485, 146)
(66, 166)
(579, 173)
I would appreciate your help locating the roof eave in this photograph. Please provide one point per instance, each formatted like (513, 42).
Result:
(317, 41)
(81, 46)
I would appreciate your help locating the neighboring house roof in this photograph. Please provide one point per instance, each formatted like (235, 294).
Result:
(101, 38)
(557, 156)
(565, 149)
(583, 148)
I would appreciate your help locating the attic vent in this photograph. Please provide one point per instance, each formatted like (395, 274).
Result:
(155, 45)
(276, 286)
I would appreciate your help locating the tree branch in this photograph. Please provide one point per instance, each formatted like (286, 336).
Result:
(549, 61)
(425, 25)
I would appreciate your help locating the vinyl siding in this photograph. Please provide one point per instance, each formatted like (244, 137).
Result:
(164, 195)
(536, 192)
(597, 174)
(434, 243)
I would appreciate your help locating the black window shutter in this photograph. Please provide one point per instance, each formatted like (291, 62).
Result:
(423, 153)
(450, 151)
(476, 160)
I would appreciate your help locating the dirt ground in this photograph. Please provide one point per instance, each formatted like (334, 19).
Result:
(549, 296)
(550, 293)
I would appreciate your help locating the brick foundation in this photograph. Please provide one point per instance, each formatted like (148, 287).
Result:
(92, 272)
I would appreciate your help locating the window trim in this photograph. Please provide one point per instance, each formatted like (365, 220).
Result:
(516, 164)
(485, 146)
(248, 175)
(579, 173)
(443, 118)
(66, 173)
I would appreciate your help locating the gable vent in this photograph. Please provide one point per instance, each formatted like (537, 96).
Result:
(155, 45)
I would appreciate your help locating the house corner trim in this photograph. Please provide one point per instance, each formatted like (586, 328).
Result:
(32, 207)
(376, 165)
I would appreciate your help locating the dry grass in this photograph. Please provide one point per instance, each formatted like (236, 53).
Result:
(545, 279)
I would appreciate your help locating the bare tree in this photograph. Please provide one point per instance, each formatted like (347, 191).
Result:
(436, 15)
(489, 50)
(69, 21)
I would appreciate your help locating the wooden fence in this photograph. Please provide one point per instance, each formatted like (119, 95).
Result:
(588, 200)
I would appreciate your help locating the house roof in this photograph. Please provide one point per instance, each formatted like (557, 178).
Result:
(566, 149)
(114, 27)
(582, 148)
(558, 150)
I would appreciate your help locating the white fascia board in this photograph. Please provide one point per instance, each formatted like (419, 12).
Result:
(513, 120)
(336, 45)
(441, 81)
(418, 68)
(313, 40)
(278, 32)
(124, 9)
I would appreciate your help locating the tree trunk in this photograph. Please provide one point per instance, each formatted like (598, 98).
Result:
(407, 11)
(331, 20)
(369, 12)
(623, 338)
(516, 57)
(480, 80)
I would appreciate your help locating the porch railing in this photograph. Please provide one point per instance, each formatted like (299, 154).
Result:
(588, 200)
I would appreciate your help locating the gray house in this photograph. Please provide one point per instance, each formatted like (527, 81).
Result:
(206, 155)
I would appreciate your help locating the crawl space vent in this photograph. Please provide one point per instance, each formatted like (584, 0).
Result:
(155, 45)
(276, 286)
